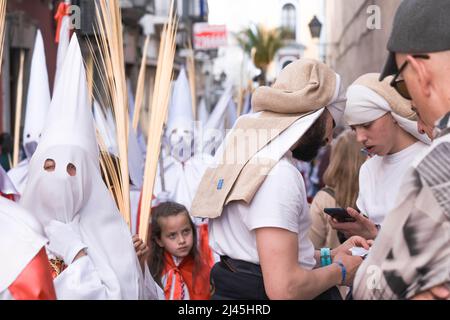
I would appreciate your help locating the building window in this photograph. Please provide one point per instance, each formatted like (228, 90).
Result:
(289, 20)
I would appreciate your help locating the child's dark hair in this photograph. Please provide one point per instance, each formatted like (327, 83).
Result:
(157, 258)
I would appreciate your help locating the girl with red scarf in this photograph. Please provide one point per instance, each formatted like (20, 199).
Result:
(175, 262)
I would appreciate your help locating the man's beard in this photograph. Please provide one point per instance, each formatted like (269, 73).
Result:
(308, 151)
(311, 142)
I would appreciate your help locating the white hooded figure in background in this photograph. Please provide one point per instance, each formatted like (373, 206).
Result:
(214, 129)
(183, 169)
(66, 193)
(203, 113)
(38, 102)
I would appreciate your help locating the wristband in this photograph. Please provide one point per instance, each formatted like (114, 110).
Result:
(343, 271)
(325, 257)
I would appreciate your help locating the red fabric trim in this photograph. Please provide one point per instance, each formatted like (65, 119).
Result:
(35, 282)
(199, 288)
(7, 196)
(62, 11)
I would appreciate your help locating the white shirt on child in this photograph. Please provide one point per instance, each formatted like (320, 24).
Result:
(380, 179)
(280, 202)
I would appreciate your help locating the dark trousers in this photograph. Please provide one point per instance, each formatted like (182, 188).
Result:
(240, 280)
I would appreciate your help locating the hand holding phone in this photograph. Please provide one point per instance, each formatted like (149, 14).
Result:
(340, 214)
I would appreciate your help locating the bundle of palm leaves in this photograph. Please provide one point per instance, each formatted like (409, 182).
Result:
(158, 114)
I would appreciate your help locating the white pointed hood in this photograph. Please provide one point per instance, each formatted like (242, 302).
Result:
(69, 138)
(247, 104)
(231, 114)
(136, 159)
(140, 137)
(69, 120)
(214, 130)
(180, 112)
(104, 130)
(63, 46)
(203, 114)
(217, 118)
(38, 98)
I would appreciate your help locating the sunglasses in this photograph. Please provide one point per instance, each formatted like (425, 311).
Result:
(399, 84)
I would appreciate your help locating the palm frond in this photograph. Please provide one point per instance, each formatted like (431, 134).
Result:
(111, 66)
(160, 102)
(139, 97)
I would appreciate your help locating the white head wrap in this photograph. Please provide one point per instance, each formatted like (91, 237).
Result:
(365, 105)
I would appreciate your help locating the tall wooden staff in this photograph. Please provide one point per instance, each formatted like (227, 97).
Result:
(19, 102)
(109, 37)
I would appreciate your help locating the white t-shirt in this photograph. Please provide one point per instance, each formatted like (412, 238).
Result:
(380, 179)
(280, 202)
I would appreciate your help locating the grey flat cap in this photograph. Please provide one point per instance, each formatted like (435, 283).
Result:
(420, 26)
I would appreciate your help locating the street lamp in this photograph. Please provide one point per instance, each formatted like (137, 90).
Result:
(315, 27)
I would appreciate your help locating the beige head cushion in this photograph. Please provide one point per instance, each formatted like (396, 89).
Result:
(303, 86)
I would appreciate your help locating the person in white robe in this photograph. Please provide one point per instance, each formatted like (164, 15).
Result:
(89, 242)
(24, 268)
(183, 167)
(38, 102)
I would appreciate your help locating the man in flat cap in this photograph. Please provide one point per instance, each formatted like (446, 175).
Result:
(256, 200)
(411, 255)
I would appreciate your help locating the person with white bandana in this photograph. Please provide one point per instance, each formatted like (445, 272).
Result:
(90, 247)
(255, 196)
(388, 129)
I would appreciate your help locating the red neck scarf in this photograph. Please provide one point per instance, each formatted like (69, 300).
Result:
(199, 288)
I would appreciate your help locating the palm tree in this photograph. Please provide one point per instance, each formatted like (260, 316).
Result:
(261, 44)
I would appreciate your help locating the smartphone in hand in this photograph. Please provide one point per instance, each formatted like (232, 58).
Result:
(340, 214)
